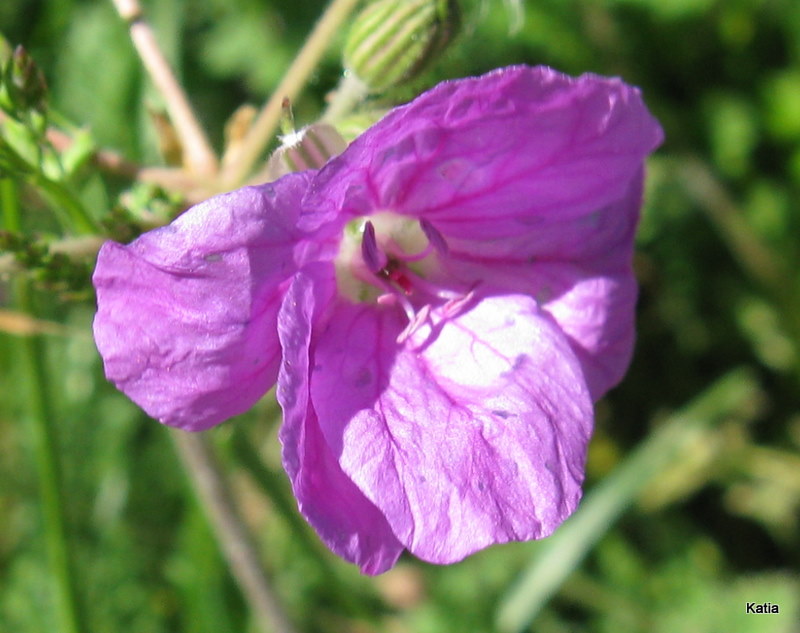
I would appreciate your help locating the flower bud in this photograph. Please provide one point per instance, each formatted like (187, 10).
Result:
(310, 148)
(392, 41)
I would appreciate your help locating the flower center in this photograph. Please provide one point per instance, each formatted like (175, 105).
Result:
(386, 258)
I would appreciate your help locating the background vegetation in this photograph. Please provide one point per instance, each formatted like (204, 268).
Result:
(693, 493)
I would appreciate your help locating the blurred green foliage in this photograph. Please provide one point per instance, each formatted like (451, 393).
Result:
(718, 260)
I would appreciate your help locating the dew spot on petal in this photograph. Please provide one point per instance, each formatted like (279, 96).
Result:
(213, 257)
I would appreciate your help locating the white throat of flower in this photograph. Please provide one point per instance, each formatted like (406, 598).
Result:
(386, 258)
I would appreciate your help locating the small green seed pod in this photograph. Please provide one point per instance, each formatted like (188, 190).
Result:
(392, 41)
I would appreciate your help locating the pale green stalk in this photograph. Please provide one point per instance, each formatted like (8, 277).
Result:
(350, 92)
(68, 209)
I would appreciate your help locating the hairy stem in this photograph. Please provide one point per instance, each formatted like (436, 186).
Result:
(349, 94)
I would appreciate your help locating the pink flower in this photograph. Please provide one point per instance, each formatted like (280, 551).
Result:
(440, 305)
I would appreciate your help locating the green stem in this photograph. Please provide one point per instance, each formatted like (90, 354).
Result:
(68, 209)
(70, 615)
(754, 256)
(348, 95)
(296, 76)
(8, 204)
(45, 444)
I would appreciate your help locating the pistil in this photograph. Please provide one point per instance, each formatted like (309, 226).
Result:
(379, 268)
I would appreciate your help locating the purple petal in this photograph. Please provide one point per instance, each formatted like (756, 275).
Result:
(533, 179)
(186, 320)
(598, 316)
(344, 518)
(473, 433)
(580, 272)
(491, 157)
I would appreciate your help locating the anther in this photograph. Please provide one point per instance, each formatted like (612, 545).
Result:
(435, 238)
(373, 257)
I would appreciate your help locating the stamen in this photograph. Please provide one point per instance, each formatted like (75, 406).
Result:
(436, 242)
(393, 296)
(435, 238)
(454, 307)
(414, 324)
(407, 307)
(373, 257)
(386, 263)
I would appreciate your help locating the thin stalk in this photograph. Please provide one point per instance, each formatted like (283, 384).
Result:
(43, 430)
(753, 255)
(296, 76)
(269, 483)
(272, 485)
(68, 209)
(348, 95)
(198, 154)
(8, 204)
(107, 160)
(233, 536)
(69, 613)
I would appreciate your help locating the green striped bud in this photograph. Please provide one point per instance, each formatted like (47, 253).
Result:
(392, 41)
(310, 148)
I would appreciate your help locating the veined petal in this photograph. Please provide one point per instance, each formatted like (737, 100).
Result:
(597, 242)
(345, 519)
(186, 319)
(597, 314)
(492, 157)
(472, 433)
(578, 271)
